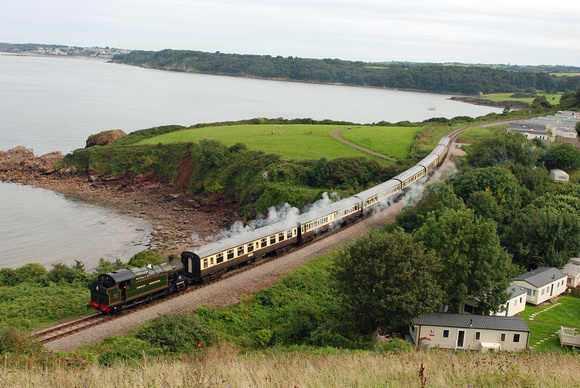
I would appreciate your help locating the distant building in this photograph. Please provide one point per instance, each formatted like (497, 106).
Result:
(469, 332)
(514, 305)
(558, 175)
(542, 284)
(572, 269)
(529, 130)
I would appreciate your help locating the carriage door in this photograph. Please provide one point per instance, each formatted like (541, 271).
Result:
(460, 338)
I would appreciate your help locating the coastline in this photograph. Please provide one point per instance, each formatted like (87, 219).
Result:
(174, 214)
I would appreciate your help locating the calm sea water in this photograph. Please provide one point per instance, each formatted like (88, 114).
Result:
(51, 104)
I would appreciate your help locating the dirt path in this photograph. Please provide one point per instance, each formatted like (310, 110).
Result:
(336, 135)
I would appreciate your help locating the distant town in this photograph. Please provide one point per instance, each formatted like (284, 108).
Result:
(104, 53)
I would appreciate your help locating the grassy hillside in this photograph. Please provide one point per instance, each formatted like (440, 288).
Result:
(302, 142)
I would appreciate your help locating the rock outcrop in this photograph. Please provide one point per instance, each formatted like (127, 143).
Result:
(105, 138)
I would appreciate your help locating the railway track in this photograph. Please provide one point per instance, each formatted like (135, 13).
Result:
(69, 327)
(85, 322)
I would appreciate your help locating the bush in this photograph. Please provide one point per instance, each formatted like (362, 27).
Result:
(29, 272)
(18, 342)
(180, 333)
(128, 349)
(393, 346)
(143, 258)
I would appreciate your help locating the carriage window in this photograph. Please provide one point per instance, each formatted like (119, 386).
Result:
(240, 251)
(219, 258)
(302, 228)
(281, 236)
(211, 260)
(289, 234)
(325, 220)
(264, 242)
(250, 247)
(230, 254)
(204, 263)
(272, 239)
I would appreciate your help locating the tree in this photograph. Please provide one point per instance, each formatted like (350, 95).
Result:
(577, 127)
(473, 264)
(540, 103)
(438, 197)
(563, 156)
(502, 149)
(386, 280)
(545, 236)
(497, 181)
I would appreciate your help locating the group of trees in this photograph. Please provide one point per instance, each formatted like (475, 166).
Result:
(431, 77)
(467, 238)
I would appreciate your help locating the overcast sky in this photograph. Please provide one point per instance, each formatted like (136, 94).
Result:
(482, 31)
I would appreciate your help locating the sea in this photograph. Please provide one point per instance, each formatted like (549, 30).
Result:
(54, 103)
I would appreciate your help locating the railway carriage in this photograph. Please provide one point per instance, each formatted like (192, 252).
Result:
(214, 259)
(410, 176)
(116, 290)
(377, 196)
(430, 163)
(323, 219)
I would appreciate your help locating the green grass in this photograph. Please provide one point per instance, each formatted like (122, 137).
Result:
(547, 323)
(479, 133)
(552, 98)
(566, 314)
(293, 141)
(539, 331)
(395, 142)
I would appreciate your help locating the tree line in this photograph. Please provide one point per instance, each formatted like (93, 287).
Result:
(428, 77)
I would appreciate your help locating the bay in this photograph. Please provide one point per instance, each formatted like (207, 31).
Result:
(50, 104)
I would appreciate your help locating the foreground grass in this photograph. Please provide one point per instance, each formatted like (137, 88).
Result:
(225, 366)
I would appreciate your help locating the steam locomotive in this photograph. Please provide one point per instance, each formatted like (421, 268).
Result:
(118, 290)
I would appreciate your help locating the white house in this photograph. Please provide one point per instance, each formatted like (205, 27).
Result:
(572, 269)
(469, 332)
(542, 284)
(514, 305)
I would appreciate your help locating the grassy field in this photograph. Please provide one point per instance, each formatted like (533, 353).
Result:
(395, 142)
(227, 366)
(552, 98)
(302, 142)
(479, 133)
(565, 74)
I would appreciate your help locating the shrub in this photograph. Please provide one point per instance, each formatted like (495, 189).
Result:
(393, 345)
(18, 342)
(31, 271)
(143, 258)
(115, 349)
(181, 333)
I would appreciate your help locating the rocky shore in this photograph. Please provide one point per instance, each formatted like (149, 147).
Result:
(174, 214)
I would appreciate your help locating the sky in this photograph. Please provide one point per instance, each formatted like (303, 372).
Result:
(530, 32)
